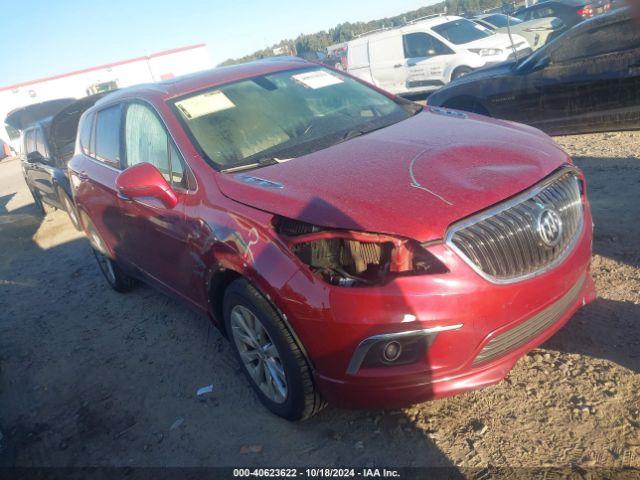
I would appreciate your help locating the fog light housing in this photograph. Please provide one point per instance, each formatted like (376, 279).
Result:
(391, 351)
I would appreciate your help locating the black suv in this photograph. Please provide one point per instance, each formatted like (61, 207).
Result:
(48, 138)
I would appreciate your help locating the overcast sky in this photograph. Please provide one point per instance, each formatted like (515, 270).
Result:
(43, 37)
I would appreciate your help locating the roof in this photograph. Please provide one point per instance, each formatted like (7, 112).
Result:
(103, 67)
(186, 84)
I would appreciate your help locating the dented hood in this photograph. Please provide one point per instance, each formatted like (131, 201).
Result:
(412, 179)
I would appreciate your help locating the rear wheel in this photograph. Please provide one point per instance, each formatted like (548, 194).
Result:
(270, 357)
(69, 207)
(116, 278)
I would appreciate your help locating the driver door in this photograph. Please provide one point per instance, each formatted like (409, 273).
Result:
(154, 237)
(426, 59)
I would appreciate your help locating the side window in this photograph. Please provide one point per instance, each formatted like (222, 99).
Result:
(107, 135)
(593, 42)
(543, 12)
(420, 44)
(30, 141)
(146, 140)
(85, 134)
(524, 15)
(41, 146)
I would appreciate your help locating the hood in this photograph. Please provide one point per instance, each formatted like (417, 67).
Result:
(22, 117)
(499, 40)
(64, 126)
(412, 179)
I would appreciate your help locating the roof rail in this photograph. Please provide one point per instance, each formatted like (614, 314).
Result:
(426, 17)
(370, 32)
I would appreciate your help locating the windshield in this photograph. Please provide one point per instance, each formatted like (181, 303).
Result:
(462, 31)
(501, 21)
(283, 115)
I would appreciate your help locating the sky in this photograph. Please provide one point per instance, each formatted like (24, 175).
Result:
(44, 37)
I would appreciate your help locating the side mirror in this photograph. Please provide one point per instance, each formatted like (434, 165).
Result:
(145, 181)
(35, 157)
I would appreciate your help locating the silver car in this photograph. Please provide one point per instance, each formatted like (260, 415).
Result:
(537, 32)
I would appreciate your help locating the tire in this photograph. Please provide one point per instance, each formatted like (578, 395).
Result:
(460, 72)
(116, 278)
(70, 207)
(281, 376)
(37, 199)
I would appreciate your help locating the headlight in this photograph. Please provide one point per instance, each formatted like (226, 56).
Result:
(486, 52)
(348, 258)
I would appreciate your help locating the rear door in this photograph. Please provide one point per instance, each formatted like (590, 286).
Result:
(94, 178)
(426, 59)
(388, 67)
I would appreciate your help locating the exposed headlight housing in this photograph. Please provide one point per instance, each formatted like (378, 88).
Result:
(349, 258)
(487, 52)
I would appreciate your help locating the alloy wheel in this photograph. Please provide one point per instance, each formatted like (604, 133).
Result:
(258, 353)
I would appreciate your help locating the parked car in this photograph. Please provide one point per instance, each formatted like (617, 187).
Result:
(354, 247)
(5, 150)
(428, 53)
(537, 32)
(48, 139)
(588, 80)
(571, 12)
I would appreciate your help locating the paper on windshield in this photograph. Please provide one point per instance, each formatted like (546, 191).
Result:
(205, 104)
(317, 79)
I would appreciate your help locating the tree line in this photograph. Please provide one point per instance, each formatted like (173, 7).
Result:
(309, 44)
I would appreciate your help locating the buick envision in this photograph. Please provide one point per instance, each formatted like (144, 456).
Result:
(354, 247)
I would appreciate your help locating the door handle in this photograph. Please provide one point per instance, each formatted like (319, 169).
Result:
(411, 64)
(82, 176)
(397, 65)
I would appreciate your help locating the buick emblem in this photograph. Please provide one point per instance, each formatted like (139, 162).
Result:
(549, 227)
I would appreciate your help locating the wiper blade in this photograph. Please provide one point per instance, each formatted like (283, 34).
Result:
(263, 162)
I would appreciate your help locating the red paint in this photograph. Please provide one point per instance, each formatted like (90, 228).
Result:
(460, 167)
(145, 181)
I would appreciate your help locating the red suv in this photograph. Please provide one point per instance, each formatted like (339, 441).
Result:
(353, 246)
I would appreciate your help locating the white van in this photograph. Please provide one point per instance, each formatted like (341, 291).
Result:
(426, 54)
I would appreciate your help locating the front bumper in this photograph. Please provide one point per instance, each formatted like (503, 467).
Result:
(332, 322)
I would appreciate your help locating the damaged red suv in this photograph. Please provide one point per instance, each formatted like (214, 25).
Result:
(354, 247)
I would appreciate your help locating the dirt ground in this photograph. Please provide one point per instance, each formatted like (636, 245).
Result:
(91, 377)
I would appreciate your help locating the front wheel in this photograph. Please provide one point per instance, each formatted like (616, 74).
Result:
(460, 72)
(270, 357)
(37, 199)
(116, 278)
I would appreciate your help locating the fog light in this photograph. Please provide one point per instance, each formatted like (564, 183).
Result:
(391, 351)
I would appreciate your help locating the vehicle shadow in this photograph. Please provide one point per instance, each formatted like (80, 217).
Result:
(608, 328)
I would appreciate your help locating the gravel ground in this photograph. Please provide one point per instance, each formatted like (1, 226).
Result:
(90, 377)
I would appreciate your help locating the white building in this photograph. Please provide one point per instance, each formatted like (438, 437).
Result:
(150, 68)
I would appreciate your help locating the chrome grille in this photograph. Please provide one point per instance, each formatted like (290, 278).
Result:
(507, 243)
(529, 329)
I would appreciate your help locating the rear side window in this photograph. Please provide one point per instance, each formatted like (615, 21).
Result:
(146, 140)
(544, 12)
(41, 146)
(30, 141)
(107, 135)
(85, 134)
(420, 44)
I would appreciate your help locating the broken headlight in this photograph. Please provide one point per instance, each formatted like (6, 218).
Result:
(349, 258)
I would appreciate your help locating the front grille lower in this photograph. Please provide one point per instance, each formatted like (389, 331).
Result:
(505, 243)
(529, 329)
